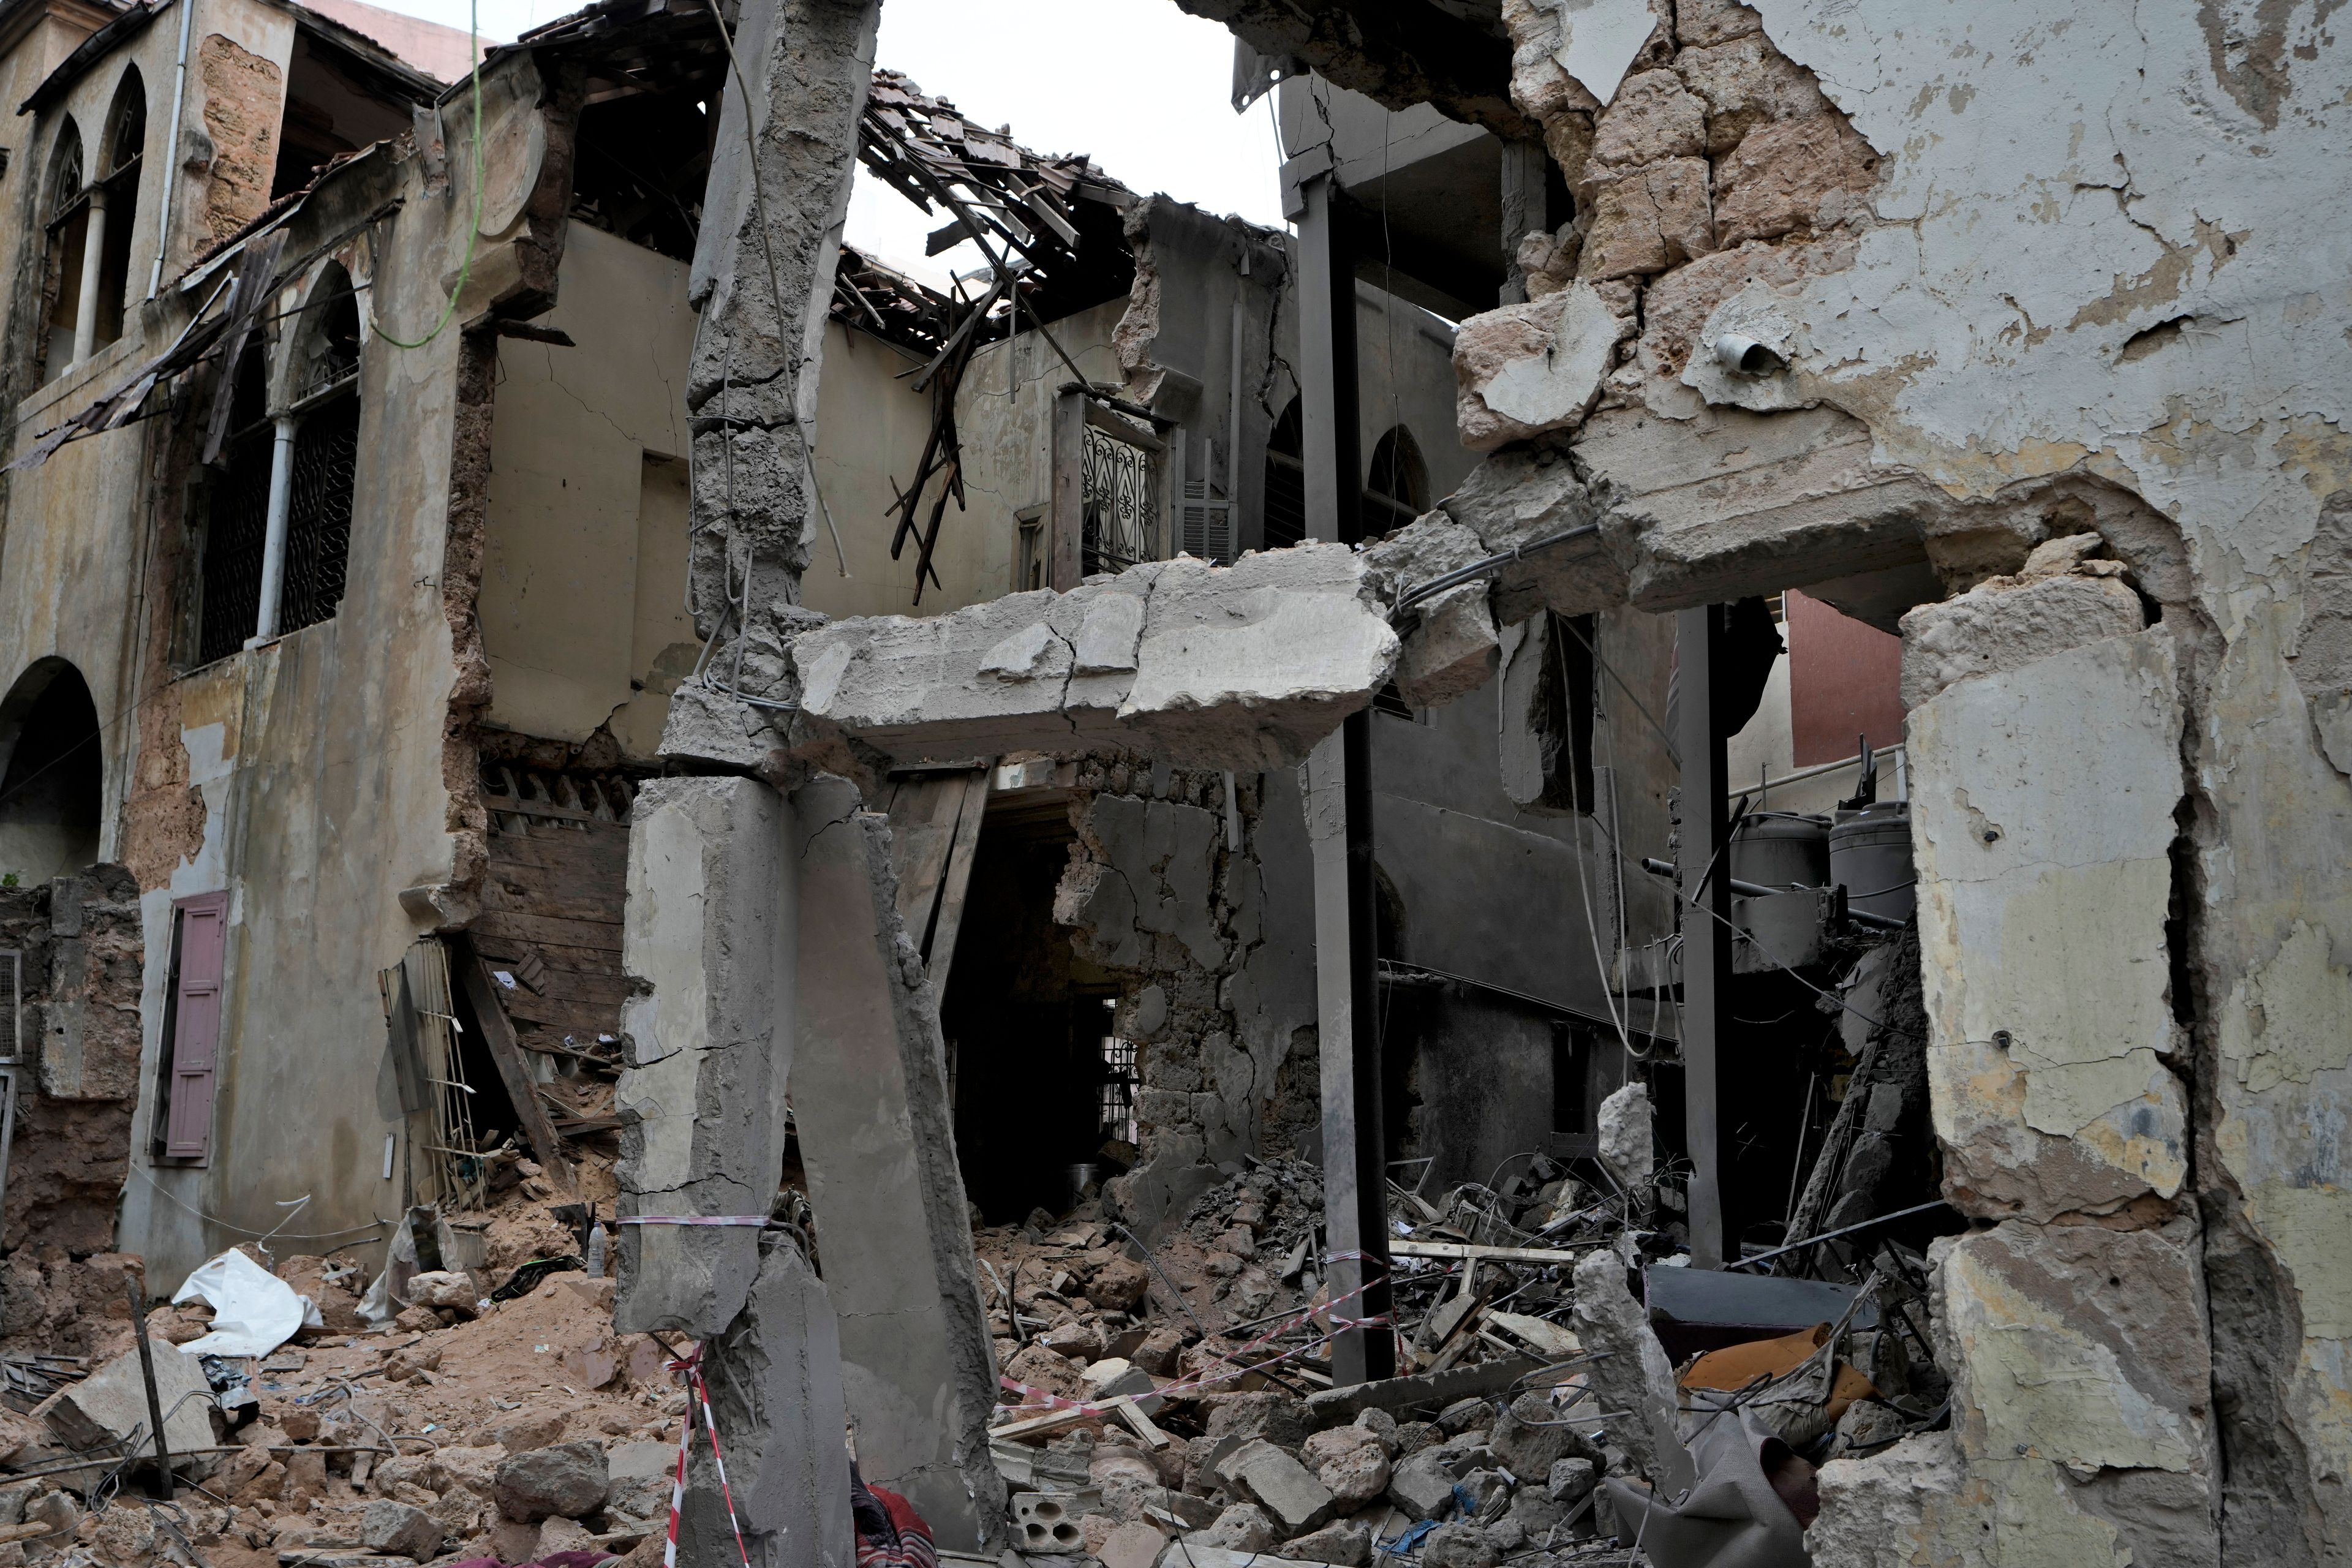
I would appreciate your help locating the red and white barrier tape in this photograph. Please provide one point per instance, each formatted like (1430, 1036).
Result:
(698, 1397)
(751, 1221)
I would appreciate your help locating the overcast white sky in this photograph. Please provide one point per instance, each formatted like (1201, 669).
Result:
(1137, 85)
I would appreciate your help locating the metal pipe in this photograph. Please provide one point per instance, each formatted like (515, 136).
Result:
(273, 544)
(1491, 564)
(1895, 753)
(1747, 889)
(172, 149)
(93, 247)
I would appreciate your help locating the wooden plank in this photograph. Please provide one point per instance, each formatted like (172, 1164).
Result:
(514, 1072)
(1140, 1424)
(583, 1020)
(600, 962)
(602, 935)
(574, 902)
(561, 851)
(939, 954)
(1052, 1420)
(923, 812)
(1464, 1251)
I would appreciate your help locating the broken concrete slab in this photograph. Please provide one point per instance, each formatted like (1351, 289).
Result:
(1240, 667)
(2043, 801)
(1533, 367)
(112, 1403)
(1635, 1375)
(1522, 494)
(1451, 645)
(1279, 1484)
(1247, 667)
(775, 1388)
(870, 1097)
(707, 1042)
(1334, 1406)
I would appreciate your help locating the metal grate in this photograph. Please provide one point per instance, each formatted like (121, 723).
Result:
(12, 1006)
(1122, 519)
(319, 520)
(1118, 1120)
(235, 530)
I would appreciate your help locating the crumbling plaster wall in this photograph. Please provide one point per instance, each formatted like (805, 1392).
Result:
(1201, 900)
(336, 842)
(78, 964)
(2032, 272)
(871, 425)
(582, 524)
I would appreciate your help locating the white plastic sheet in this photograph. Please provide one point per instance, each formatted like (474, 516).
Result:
(254, 1311)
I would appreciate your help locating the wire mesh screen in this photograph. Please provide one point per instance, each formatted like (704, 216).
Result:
(236, 525)
(12, 1028)
(319, 520)
(1121, 518)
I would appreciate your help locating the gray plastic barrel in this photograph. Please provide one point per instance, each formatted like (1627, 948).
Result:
(1870, 854)
(1781, 849)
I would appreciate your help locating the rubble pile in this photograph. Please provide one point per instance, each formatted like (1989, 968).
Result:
(1172, 1407)
(515, 1430)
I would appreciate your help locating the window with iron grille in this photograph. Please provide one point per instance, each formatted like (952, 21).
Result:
(318, 519)
(237, 524)
(1119, 1088)
(1121, 515)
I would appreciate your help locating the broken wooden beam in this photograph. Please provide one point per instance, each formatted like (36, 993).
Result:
(514, 1070)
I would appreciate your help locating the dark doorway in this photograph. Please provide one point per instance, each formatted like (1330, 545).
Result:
(1039, 1081)
(54, 779)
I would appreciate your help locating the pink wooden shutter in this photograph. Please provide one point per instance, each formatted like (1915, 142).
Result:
(196, 1042)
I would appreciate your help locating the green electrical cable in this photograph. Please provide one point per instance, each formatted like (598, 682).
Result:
(473, 231)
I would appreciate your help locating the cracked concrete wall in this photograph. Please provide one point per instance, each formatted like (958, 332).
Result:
(2030, 273)
(876, 1133)
(1214, 944)
(762, 278)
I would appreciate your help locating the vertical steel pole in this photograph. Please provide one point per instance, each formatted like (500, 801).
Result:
(1707, 932)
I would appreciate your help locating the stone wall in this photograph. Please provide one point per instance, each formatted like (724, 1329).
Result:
(81, 960)
(1220, 1005)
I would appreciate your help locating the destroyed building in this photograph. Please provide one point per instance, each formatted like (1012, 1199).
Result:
(1230, 887)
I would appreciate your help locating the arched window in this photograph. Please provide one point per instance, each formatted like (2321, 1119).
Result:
(325, 388)
(290, 461)
(52, 775)
(236, 514)
(120, 155)
(1285, 481)
(65, 216)
(1397, 490)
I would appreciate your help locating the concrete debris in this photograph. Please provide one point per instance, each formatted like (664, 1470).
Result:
(1240, 667)
(1534, 367)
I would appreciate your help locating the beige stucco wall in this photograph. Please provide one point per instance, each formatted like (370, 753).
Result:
(317, 761)
(584, 584)
(870, 432)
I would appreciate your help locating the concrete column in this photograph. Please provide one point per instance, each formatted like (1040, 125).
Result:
(2072, 1319)
(273, 539)
(775, 1387)
(1346, 985)
(93, 248)
(870, 1099)
(707, 1037)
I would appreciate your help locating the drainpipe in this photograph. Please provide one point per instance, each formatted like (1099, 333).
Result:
(93, 246)
(172, 149)
(273, 543)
